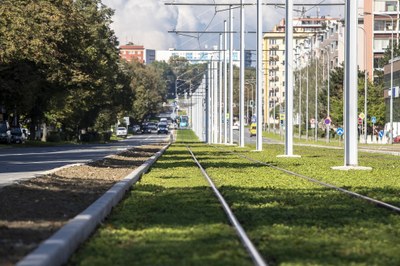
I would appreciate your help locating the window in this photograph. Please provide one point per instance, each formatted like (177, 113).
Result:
(390, 6)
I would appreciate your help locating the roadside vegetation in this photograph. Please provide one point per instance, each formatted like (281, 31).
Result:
(291, 221)
(61, 75)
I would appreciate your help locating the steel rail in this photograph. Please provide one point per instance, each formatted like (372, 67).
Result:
(354, 194)
(255, 255)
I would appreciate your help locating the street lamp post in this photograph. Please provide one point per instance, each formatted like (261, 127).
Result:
(365, 87)
(328, 96)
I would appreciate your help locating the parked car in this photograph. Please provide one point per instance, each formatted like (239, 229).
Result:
(145, 128)
(18, 135)
(136, 129)
(152, 126)
(5, 133)
(162, 128)
(121, 132)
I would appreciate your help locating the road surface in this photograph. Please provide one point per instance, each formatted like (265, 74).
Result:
(24, 163)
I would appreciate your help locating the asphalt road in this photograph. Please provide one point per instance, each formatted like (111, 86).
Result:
(23, 163)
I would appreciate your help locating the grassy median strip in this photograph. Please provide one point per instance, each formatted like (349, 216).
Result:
(381, 183)
(296, 222)
(171, 217)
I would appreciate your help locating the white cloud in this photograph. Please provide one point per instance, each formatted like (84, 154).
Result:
(147, 22)
(143, 22)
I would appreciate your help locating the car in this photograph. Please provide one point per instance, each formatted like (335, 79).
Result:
(18, 135)
(253, 129)
(121, 132)
(5, 133)
(136, 129)
(162, 128)
(145, 128)
(152, 126)
(235, 126)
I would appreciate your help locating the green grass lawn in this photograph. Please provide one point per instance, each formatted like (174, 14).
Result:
(172, 218)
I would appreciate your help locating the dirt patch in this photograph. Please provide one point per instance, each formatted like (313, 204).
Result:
(33, 210)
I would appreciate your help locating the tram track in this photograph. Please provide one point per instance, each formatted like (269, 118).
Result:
(251, 249)
(313, 180)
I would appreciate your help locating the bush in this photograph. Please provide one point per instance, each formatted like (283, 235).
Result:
(54, 137)
(95, 136)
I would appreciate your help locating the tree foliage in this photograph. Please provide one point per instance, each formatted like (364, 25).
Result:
(59, 64)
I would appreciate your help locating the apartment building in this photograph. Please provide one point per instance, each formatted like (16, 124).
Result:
(381, 24)
(313, 36)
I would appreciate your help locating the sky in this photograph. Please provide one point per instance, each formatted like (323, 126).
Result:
(147, 22)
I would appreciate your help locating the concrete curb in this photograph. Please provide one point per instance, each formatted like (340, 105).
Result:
(57, 249)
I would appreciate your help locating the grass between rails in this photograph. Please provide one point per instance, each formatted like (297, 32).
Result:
(171, 217)
(291, 221)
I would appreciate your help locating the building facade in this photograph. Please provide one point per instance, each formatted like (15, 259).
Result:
(131, 52)
(396, 91)
(381, 24)
(199, 57)
(320, 38)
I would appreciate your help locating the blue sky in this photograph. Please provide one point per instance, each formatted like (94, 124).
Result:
(148, 22)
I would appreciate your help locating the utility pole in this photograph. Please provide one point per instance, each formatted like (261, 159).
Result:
(260, 76)
(242, 78)
(350, 91)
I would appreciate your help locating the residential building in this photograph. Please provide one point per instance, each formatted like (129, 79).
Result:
(381, 21)
(316, 37)
(131, 52)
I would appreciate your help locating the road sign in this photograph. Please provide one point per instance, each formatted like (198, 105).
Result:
(361, 115)
(373, 120)
(327, 121)
(339, 131)
(381, 132)
(312, 121)
(360, 120)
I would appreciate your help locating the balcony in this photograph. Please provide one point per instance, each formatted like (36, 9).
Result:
(275, 68)
(274, 47)
(274, 58)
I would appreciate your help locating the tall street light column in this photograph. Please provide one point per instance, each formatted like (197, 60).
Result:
(260, 76)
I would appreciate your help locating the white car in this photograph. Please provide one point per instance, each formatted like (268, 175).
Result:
(121, 132)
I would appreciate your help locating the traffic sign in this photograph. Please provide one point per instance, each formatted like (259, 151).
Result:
(381, 133)
(340, 131)
(361, 115)
(327, 121)
(360, 120)
(312, 121)
(373, 120)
